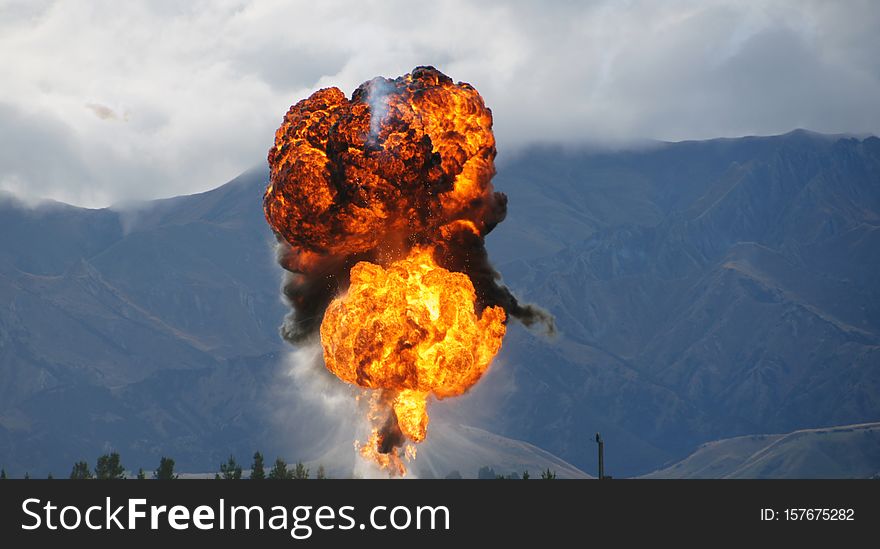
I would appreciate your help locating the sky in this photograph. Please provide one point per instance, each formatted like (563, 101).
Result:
(107, 102)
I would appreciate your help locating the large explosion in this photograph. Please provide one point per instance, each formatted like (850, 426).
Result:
(381, 204)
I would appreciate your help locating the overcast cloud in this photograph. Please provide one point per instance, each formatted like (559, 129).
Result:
(109, 101)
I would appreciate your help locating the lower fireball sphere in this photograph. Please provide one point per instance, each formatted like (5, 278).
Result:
(411, 330)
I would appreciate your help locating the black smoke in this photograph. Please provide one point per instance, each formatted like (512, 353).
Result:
(309, 293)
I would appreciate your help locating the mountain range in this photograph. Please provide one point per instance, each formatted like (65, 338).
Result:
(703, 290)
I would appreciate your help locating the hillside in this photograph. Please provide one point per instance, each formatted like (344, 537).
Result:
(703, 290)
(851, 451)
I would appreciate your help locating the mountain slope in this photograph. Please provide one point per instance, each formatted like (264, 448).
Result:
(744, 302)
(851, 451)
(151, 329)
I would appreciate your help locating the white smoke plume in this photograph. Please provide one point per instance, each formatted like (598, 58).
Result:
(318, 416)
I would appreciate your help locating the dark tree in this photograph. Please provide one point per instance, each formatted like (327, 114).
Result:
(300, 471)
(27, 476)
(141, 475)
(279, 471)
(525, 475)
(321, 474)
(109, 467)
(486, 472)
(50, 477)
(217, 476)
(81, 471)
(2, 474)
(548, 474)
(230, 470)
(165, 470)
(257, 472)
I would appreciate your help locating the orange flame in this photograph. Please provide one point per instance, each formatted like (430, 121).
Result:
(390, 180)
(412, 331)
(343, 185)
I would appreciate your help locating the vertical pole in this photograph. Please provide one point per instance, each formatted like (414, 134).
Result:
(601, 456)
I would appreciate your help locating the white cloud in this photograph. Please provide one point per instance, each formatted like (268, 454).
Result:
(108, 101)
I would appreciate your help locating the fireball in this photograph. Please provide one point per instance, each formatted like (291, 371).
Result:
(381, 203)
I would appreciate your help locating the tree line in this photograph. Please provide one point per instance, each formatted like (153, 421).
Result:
(231, 470)
(487, 472)
(109, 467)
